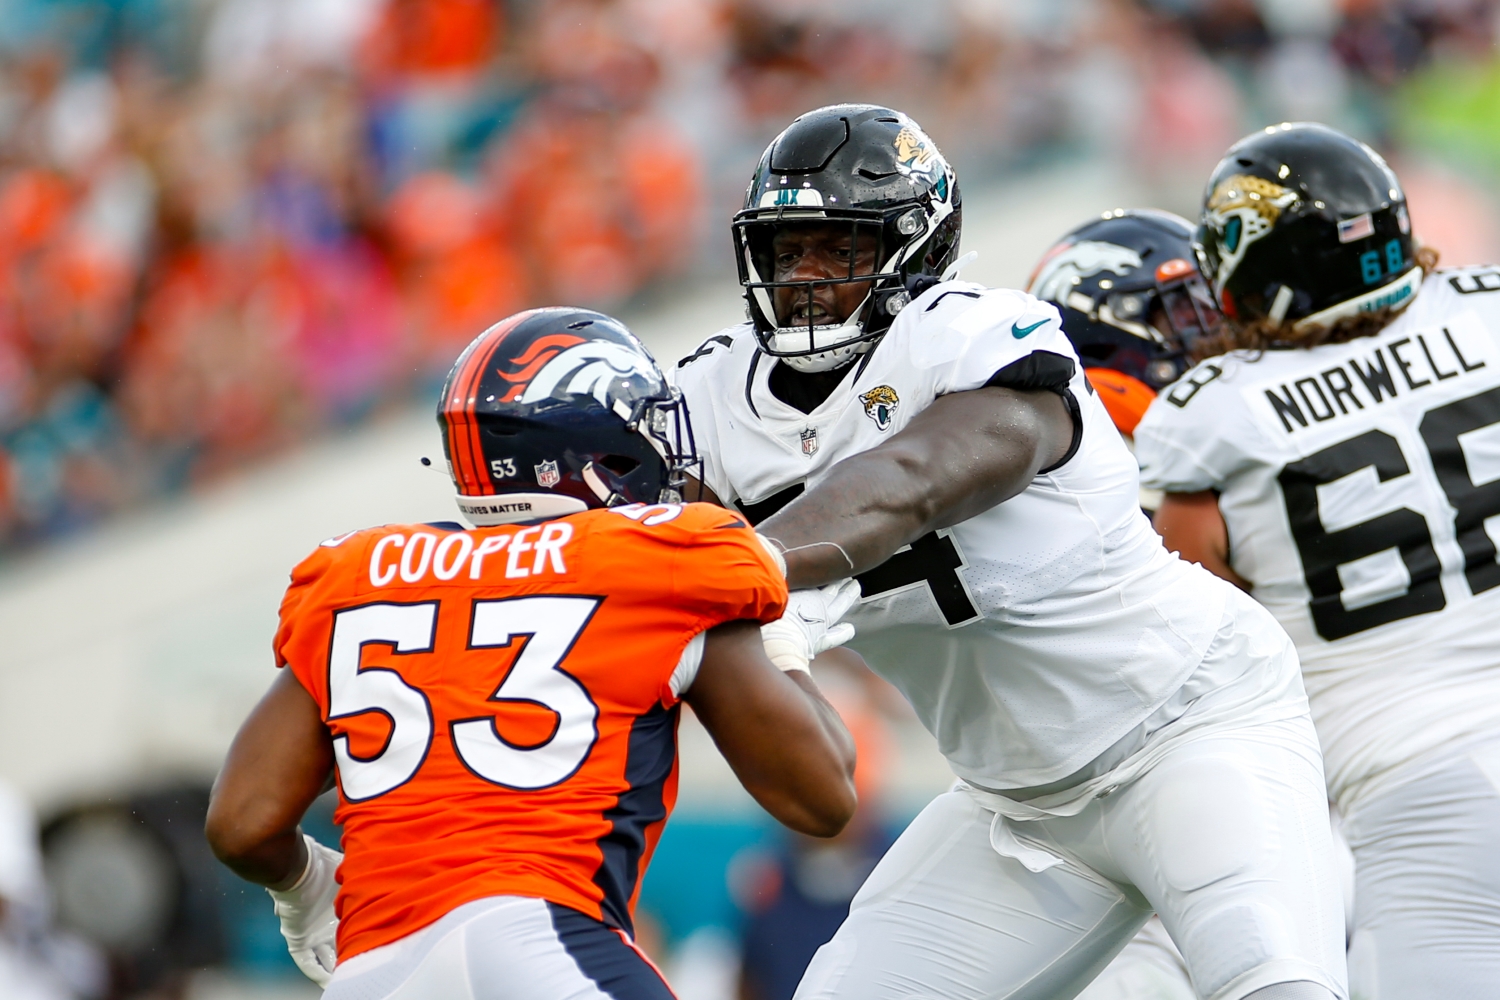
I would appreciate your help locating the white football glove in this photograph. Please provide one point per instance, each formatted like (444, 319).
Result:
(810, 624)
(306, 910)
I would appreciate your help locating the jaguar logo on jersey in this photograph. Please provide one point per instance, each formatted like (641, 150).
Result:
(809, 437)
(547, 475)
(880, 405)
(1244, 209)
(1055, 275)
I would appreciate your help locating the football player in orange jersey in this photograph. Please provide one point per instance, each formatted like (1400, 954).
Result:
(499, 704)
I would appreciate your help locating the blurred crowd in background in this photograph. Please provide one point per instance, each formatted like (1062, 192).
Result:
(226, 225)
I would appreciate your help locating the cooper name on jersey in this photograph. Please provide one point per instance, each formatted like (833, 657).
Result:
(531, 551)
(1376, 373)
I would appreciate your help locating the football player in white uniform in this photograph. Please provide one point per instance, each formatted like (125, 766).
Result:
(1344, 467)
(1135, 307)
(1131, 733)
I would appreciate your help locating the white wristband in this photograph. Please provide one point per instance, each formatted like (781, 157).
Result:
(785, 653)
(774, 551)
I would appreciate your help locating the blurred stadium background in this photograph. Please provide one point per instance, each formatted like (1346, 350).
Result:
(242, 240)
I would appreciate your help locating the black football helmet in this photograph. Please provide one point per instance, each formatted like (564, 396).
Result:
(874, 169)
(1130, 293)
(1302, 224)
(554, 411)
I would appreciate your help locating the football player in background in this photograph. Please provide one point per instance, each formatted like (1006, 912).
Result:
(1133, 305)
(1130, 732)
(1340, 462)
(499, 705)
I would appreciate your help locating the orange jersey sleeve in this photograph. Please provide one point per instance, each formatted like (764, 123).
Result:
(499, 700)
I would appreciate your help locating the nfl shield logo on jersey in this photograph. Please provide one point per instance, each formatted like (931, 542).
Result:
(809, 441)
(547, 475)
(880, 405)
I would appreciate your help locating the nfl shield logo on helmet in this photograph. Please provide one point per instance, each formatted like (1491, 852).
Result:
(547, 475)
(809, 441)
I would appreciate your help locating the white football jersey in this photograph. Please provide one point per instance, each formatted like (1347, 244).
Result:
(1360, 483)
(1030, 638)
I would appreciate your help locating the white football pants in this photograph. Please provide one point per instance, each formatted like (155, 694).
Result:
(1226, 837)
(503, 948)
(1427, 883)
(1151, 967)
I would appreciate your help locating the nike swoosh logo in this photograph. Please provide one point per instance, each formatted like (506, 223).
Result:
(1112, 388)
(1018, 331)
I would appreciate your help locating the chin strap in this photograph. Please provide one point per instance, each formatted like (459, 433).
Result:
(599, 487)
(951, 271)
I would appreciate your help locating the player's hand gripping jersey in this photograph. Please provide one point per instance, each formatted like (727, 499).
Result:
(503, 700)
(1030, 638)
(1360, 486)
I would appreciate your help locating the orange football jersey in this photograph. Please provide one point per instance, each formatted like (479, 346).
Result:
(501, 700)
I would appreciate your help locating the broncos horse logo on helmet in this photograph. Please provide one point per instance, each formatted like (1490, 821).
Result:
(554, 411)
(596, 368)
(1063, 268)
(520, 370)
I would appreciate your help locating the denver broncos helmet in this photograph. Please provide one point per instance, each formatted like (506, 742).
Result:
(554, 411)
(873, 169)
(1133, 303)
(1302, 224)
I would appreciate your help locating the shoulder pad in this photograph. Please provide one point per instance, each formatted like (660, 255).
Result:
(1183, 391)
(724, 340)
(688, 517)
(939, 292)
(1474, 280)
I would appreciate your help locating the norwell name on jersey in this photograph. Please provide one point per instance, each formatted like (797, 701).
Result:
(1380, 371)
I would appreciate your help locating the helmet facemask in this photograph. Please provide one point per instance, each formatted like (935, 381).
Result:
(668, 429)
(1187, 306)
(873, 170)
(895, 241)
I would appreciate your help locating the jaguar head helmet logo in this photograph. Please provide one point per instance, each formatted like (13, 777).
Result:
(1243, 209)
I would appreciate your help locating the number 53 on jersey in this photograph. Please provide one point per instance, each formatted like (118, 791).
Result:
(546, 626)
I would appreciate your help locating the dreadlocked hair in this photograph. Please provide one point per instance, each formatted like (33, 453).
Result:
(1265, 334)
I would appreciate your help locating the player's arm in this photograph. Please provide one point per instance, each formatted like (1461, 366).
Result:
(1192, 525)
(786, 744)
(961, 456)
(279, 763)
